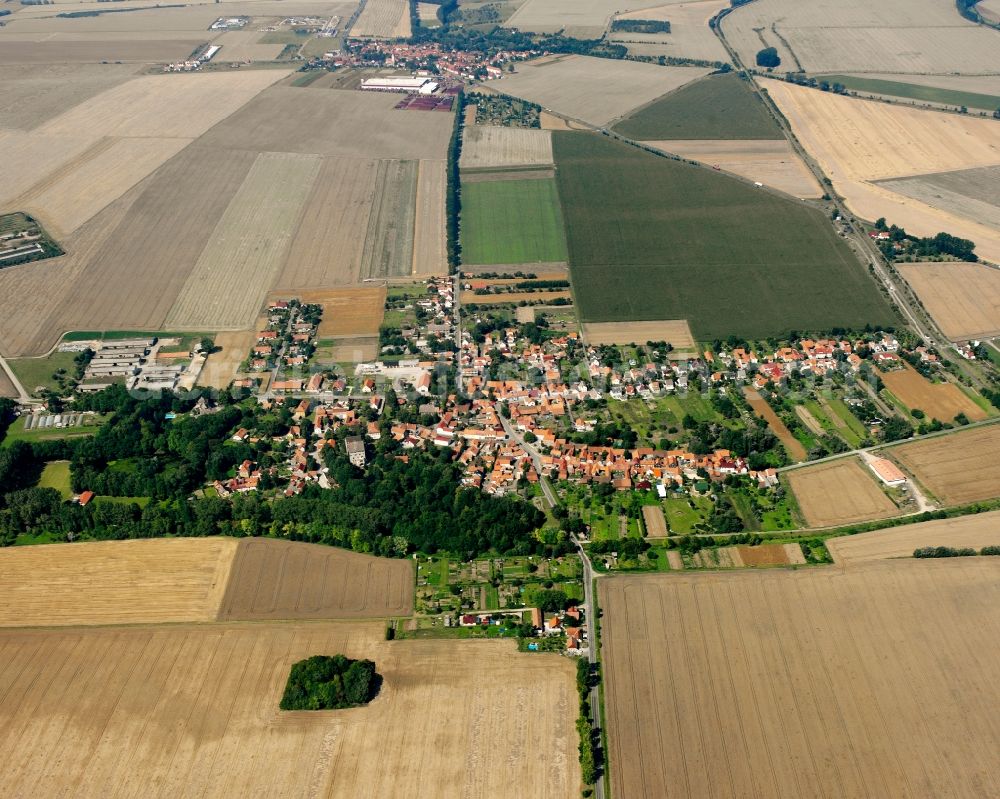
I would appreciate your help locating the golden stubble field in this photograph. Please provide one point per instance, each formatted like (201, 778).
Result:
(674, 331)
(942, 401)
(957, 468)
(690, 35)
(875, 680)
(840, 492)
(964, 299)
(858, 142)
(977, 531)
(383, 19)
(486, 146)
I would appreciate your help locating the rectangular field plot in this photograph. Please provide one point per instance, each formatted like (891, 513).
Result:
(247, 248)
(841, 492)
(166, 580)
(941, 401)
(955, 468)
(192, 710)
(289, 580)
(347, 312)
(690, 35)
(430, 256)
(977, 531)
(512, 222)
(970, 193)
(595, 90)
(650, 238)
(388, 250)
(964, 299)
(383, 19)
(586, 19)
(708, 677)
(673, 331)
(493, 146)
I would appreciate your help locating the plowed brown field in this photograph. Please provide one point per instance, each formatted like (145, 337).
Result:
(273, 579)
(877, 680)
(796, 451)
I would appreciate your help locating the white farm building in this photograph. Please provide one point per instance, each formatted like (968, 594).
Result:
(395, 83)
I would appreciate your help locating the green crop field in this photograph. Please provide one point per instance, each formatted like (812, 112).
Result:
(511, 222)
(718, 107)
(912, 91)
(653, 238)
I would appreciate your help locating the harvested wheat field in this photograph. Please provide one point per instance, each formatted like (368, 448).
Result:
(388, 250)
(227, 286)
(840, 492)
(333, 122)
(817, 682)
(941, 401)
(383, 19)
(968, 193)
(7, 388)
(689, 37)
(430, 247)
(794, 447)
(115, 582)
(585, 19)
(859, 142)
(977, 531)
(919, 36)
(595, 90)
(957, 468)
(964, 299)
(245, 45)
(221, 367)
(771, 162)
(485, 146)
(673, 331)
(62, 49)
(273, 579)
(654, 521)
(193, 711)
(30, 158)
(347, 312)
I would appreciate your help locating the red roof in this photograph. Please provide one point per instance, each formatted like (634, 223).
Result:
(85, 497)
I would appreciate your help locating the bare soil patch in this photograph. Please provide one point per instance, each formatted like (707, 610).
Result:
(595, 90)
(273, 580)
(162, 580)
(708, 675)
(771, 162)
(942, 401)
(656, 523)
(977, 531)
(795, 449)
(673, 331)
(770, 554)
(955, 468)
(840, 492)
(964, 299)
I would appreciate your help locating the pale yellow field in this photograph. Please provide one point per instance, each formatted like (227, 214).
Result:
(586, 19)
(689, 37)
(220, 368)
(238, 265)
(964, 299)
(673, 331)
(77, 192)
(955, 468)
(494, 146)
(771, 162)
(193, 711)
(876, 680)
(942, 401)
(33, 157)
(347, 312)
(245, 45)
(430, 254)
(115, 582)
(383, 19)
(902, 36)
(842, 492)
(860, 141)
(977, 531)
(595, 90)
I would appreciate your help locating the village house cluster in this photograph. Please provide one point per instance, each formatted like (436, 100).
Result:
(430, 58)
(286, 344)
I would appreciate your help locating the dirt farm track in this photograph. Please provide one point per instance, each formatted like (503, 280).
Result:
(874, 680)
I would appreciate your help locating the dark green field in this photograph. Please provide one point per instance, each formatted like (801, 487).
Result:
(928, 94)
(652, 238)
(511, 222)
(718, 107)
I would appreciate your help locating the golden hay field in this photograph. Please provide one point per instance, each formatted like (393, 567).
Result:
(900, 36)
(271, 580)
(771, 162)
(817, 682)
(595, 90)
(585, 19)
(841, 492)
(115, 582)
(493, 146)
(347, 312)
(941, 401)
(673, 331)
(430, 247)
(383, 19)
(957, 468)
(964, 299)
(977, 531)
(689, 37)
(857, 142)
(63, 49)
(193, 711)
(227, 286)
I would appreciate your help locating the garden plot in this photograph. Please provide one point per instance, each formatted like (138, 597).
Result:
(595, 90)
(430, 255)
(388, 250)
(941, 401)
